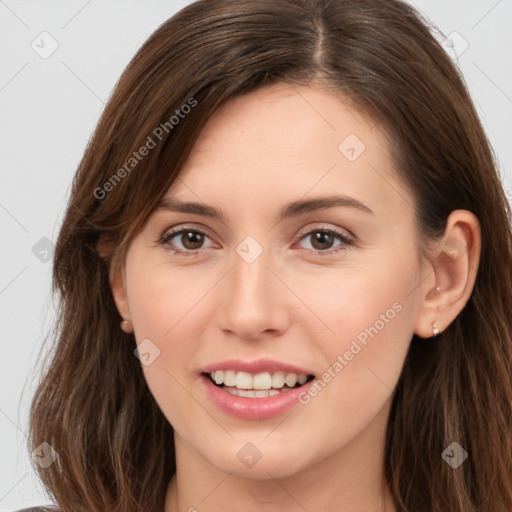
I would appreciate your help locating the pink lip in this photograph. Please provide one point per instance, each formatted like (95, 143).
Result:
(255, 367)
(253, 408)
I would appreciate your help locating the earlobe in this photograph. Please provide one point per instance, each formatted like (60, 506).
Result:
(454, 260)
(105, 248)
(126, 326)
(118, 287)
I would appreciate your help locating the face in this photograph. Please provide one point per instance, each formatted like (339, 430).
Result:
(277, 288)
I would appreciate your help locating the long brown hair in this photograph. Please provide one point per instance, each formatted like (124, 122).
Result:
(116, 449)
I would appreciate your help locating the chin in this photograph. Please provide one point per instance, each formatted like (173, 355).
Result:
(260, 460)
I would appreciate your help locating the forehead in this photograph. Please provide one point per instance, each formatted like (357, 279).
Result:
(281, 143)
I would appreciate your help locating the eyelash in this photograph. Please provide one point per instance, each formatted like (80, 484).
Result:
(346, 242)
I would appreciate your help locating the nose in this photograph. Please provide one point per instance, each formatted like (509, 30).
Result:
(253, 303)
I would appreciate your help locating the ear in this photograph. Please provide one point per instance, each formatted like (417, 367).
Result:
(105, 248)
(118, 287)
(454, 264)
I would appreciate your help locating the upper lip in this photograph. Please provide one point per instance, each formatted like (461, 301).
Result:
(256, 366)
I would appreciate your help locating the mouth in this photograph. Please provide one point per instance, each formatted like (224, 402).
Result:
(260, 385)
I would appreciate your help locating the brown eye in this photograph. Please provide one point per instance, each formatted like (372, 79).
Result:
(321, 240)
(184, 241)
(192, 240)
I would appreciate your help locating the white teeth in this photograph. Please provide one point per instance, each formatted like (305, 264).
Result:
(243, 380)
(219, 377)
(261, 381)
(260, 393)
(301, 379)
(278, 380)
(291, 380)
(229, 378)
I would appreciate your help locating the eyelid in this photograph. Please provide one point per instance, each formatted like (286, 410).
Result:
(346, 241)
(345, 233)
(345, 236)
(173, 231)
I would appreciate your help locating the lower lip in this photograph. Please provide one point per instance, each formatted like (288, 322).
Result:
(254, 408)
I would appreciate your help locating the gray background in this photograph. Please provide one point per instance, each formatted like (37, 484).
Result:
(49, 107)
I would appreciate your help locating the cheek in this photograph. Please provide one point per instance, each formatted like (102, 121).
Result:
(370, 310)
(164, 306)
(164, 301)
(362, 302)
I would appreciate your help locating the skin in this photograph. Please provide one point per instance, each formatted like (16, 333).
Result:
(256, 154)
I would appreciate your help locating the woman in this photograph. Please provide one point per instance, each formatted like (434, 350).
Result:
(285, 276)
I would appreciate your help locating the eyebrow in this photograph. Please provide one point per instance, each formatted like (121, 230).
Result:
(293, 209)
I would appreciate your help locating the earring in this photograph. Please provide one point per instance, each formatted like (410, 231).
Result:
(435, 328)
(126, 326)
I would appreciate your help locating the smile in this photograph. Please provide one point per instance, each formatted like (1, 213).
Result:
(261, 385)
(255, 390)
